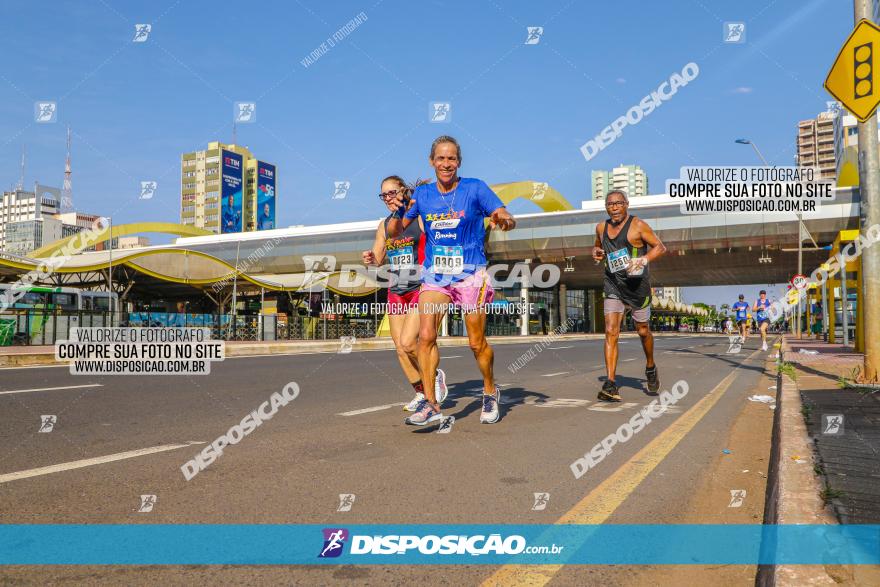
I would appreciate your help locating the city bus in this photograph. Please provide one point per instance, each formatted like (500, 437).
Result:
(38, 297)
(41, 313)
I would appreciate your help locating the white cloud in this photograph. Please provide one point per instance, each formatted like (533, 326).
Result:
(620, 80)
(742, 90)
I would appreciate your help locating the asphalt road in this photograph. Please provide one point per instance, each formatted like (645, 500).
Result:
(344, 434)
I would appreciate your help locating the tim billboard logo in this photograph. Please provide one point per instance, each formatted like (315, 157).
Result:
(232, 162)
(266, 172)
(334, 540)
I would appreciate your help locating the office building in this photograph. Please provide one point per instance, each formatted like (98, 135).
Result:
(629, 178)
(224, 188)
(27, 219)
(815, 143)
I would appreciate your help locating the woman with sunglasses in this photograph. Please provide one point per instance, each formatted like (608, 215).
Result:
(405, 254)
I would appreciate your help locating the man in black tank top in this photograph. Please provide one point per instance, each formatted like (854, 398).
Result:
(627, 245)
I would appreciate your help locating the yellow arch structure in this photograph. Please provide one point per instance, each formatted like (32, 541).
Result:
(540, 193)
(126, 230)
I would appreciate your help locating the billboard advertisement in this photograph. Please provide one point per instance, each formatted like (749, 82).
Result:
(231, 191)
(265, 196)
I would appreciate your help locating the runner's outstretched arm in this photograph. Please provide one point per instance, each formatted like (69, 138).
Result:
(398, 223)
(501, 218)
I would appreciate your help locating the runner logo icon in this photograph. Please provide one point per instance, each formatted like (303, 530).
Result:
(346, 500)
(334, 540)
(47, 423)
(541, 500)
(735, 344)
(446, 425)
(737, 496)
(832, 424)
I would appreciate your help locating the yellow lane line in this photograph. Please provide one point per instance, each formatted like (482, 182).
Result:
(601, 502)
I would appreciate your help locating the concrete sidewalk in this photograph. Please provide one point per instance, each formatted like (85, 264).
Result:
(21, 356)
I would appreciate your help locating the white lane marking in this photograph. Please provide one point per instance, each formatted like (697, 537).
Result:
(50, 388)
(94, 461)
(553, 348)
(625, 360)
(373, 409)
(34, 367)
(452, 357)
(555, 374)
(606, 407)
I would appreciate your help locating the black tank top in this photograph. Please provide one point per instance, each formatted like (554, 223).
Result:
(405, 254)
(632, 290)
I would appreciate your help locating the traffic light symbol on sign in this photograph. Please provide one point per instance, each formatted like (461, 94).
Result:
(863, 72)
(851, 78)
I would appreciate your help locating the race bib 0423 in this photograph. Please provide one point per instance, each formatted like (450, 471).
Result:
(401, 257)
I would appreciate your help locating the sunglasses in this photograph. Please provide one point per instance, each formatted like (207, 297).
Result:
(614, 204)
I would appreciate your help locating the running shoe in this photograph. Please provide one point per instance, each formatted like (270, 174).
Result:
(764, 347)
(609, 392)
(413, 405)
(440, 389)
(424, 414)
(653, 379)
(491, 411)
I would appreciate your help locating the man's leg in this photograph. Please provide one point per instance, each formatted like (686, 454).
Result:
(644, 330)
(428, 355)
(483, 353)
(764, 333)
(612, 333)
(642, 319)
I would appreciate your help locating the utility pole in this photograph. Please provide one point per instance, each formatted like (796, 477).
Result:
(869, 190)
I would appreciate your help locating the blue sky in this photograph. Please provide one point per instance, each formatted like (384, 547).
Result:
(360, 112)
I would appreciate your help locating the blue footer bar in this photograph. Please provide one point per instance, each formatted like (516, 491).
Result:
(268, 544)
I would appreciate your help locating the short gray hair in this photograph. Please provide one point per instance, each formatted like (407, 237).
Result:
(621, 192)
(445, 139)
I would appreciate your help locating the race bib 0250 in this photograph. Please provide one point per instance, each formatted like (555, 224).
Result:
(618, 260)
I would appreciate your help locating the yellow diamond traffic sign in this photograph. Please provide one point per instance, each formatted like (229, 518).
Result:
(853, 79)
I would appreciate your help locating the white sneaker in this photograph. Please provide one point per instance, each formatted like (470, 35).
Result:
(764, 347)
(413, 405)
(440, 389)
(491, 411)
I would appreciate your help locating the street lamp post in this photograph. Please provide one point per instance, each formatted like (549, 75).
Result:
(800, 219)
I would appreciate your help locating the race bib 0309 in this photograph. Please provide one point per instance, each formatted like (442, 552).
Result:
(448, 260)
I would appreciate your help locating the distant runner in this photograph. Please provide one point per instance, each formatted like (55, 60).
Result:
(742, 316)
(405, 254)
(623, 241)
(453, 210)
(761, 316)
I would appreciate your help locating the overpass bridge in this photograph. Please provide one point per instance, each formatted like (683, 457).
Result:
(710, 249)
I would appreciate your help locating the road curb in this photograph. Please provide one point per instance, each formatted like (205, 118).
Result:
(46, 356)
(798, 498)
